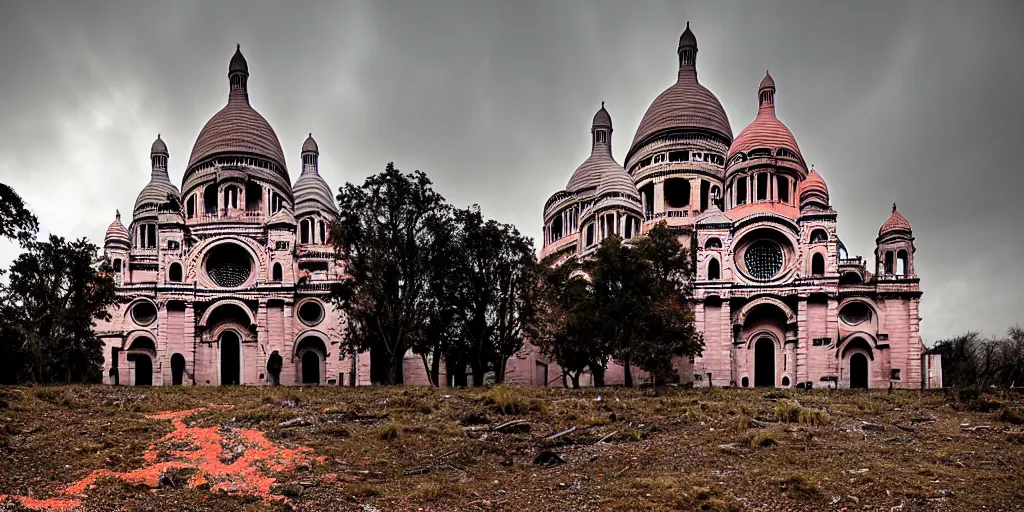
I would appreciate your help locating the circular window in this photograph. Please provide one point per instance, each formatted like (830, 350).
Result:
(144, 312)
(763, 259)
(311, 312)
(228, 265)
(855, 313)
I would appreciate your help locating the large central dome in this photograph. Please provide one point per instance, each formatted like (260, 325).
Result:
(237, 129)
(686, 105)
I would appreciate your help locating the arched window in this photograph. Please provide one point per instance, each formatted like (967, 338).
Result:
(677, 192)
(901, 263)
(117, 265)
(174, 273)
(231, 197)
(556, 228)
(190, 206)
(741, 191)
(762, 186)
(590, 235)
(819, 236)
(323, 232)
(277, 275)
(713, 243)
(305, 229)
(210, 200)
(888, 262)
(817, 264)
(782, 190)
(714, 270)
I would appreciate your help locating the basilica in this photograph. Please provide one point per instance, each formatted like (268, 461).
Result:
(226, 278)
(779, 299)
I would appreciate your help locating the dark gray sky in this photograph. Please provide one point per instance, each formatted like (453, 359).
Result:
(914, 102)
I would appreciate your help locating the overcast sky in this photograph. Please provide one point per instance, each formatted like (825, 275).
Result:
(918, 103)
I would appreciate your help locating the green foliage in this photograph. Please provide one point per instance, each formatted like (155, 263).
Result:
(55, 291)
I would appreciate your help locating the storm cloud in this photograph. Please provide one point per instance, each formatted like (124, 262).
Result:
(917, 103)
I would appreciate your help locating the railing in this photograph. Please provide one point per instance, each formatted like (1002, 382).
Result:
(669, 213)
(230, 215)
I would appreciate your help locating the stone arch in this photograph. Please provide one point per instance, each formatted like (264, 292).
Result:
(129, 340)
(817, 264)
(204, 320)
(766, 350)
(310, 333)
(174, 272)
(744, 313)
(714, 269)
(310, 354)
(858, 340)
(856, 359)
(230, 357)
(200, 251)
(177, 369)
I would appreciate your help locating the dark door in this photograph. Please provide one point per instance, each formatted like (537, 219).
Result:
(858, 371)
(177, 369)
(310, 367)
(230, 359)
(764, 363)
(143, 370)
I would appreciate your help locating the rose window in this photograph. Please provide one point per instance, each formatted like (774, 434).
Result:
(228, 266)
(763, 259)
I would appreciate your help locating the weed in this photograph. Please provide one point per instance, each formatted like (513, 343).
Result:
(1011, 416)
(790, 411)
(761, 439)
(390, 431)
(799, 486)
(503, 400)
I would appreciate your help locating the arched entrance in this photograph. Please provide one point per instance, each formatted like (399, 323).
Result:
(230, 359)
(177, 369)
(310, 367)
(764, 363)
(858, 371)
(143, 370)
(274, 364)
(310, 353)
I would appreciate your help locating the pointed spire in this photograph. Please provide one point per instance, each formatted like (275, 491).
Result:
(117, 215)
(894, 207)
(238, 76)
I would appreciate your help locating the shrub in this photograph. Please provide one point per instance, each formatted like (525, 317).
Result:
(1011, 416)
(761, 439)
(798, 486)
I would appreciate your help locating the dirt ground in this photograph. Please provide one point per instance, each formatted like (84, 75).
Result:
(381, 449)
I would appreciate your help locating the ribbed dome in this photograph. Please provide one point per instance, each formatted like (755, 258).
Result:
(156, 192)
(813, 188)
(309, 146)
(616, 181)
(117, 233)
(895, 223)
(589, 174)
(686, 105)
(765, 131)
(313, 195)
(237, 129)
(158, 148)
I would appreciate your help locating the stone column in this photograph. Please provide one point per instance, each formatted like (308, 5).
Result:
(803, 341)
(659, 195)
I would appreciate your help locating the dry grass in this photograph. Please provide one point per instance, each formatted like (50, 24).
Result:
(410, 448)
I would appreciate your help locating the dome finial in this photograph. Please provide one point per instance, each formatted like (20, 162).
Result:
(117, 215)
(894, 207)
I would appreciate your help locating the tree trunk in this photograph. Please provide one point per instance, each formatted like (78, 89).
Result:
(478, 378)
(435, 370)
(499, 369)
(628, 374)
(565, 380)
(575, 380)
(598, 372)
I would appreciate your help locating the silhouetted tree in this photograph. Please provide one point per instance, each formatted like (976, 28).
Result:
(971, 360)
(383, 236)
(55, 292)
(16, 221)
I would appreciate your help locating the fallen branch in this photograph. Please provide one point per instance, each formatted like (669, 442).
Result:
(607, 437)
(976, 428)
(562, 433)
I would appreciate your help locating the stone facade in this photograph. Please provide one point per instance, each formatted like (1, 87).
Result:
(226, 280)
(778, 298)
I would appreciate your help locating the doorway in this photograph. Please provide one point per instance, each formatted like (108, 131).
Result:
(230, 359)
(764, 363)
(143, 370)
(274, 364)
(310, 367)
(858, 371)
(177, 369)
